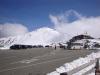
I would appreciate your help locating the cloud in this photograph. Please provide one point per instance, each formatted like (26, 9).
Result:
(40, 36)
(79, 24)
(12, 29)
(68, 16)
(66, 25)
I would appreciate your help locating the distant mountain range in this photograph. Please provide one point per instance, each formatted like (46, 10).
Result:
(32, 38)
(46, 37)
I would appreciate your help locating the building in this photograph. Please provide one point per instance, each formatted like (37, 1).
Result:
(82, 41)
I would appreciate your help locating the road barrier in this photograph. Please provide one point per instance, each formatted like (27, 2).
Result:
(75, 70)
(96, 67)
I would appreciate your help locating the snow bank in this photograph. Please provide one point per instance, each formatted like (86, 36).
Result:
(85, 70)
(92, 73)
(4, 48)
(77, 63)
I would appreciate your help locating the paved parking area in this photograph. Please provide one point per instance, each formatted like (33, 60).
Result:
(36, 61)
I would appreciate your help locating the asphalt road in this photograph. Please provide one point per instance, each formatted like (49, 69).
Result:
(38, 61)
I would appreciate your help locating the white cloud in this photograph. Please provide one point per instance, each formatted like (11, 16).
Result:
(80, 25)
(65, 17)
(63, 29)
(9, 29)
(40, 36)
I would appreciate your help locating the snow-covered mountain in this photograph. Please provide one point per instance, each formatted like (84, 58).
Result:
(42, 36)
(47, 36)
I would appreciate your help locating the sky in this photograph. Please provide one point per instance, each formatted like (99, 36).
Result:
(18, 17)
(35, 13)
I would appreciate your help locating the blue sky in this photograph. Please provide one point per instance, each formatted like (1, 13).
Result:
(35, 13)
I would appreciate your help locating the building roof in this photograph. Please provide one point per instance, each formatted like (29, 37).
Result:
(80, 37)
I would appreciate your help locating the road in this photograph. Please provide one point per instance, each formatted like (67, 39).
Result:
(38, 61)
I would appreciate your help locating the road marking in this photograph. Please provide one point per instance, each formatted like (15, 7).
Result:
(34, 58)
(28, 61)
(33, 64)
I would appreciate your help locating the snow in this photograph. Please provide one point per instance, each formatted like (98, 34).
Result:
(85, 70)
(79, 41)
(95, 40)
(92, 73)
(4, 48)
(77, 63)
(54, 73)
(42, 36)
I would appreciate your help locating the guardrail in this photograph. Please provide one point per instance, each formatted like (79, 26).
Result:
(95, 67)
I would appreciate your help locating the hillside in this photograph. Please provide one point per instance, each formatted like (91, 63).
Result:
(31, 38)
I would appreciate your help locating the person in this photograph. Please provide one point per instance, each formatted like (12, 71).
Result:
(55, 47)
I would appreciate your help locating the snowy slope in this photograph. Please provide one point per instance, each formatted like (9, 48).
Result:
(40, 37)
